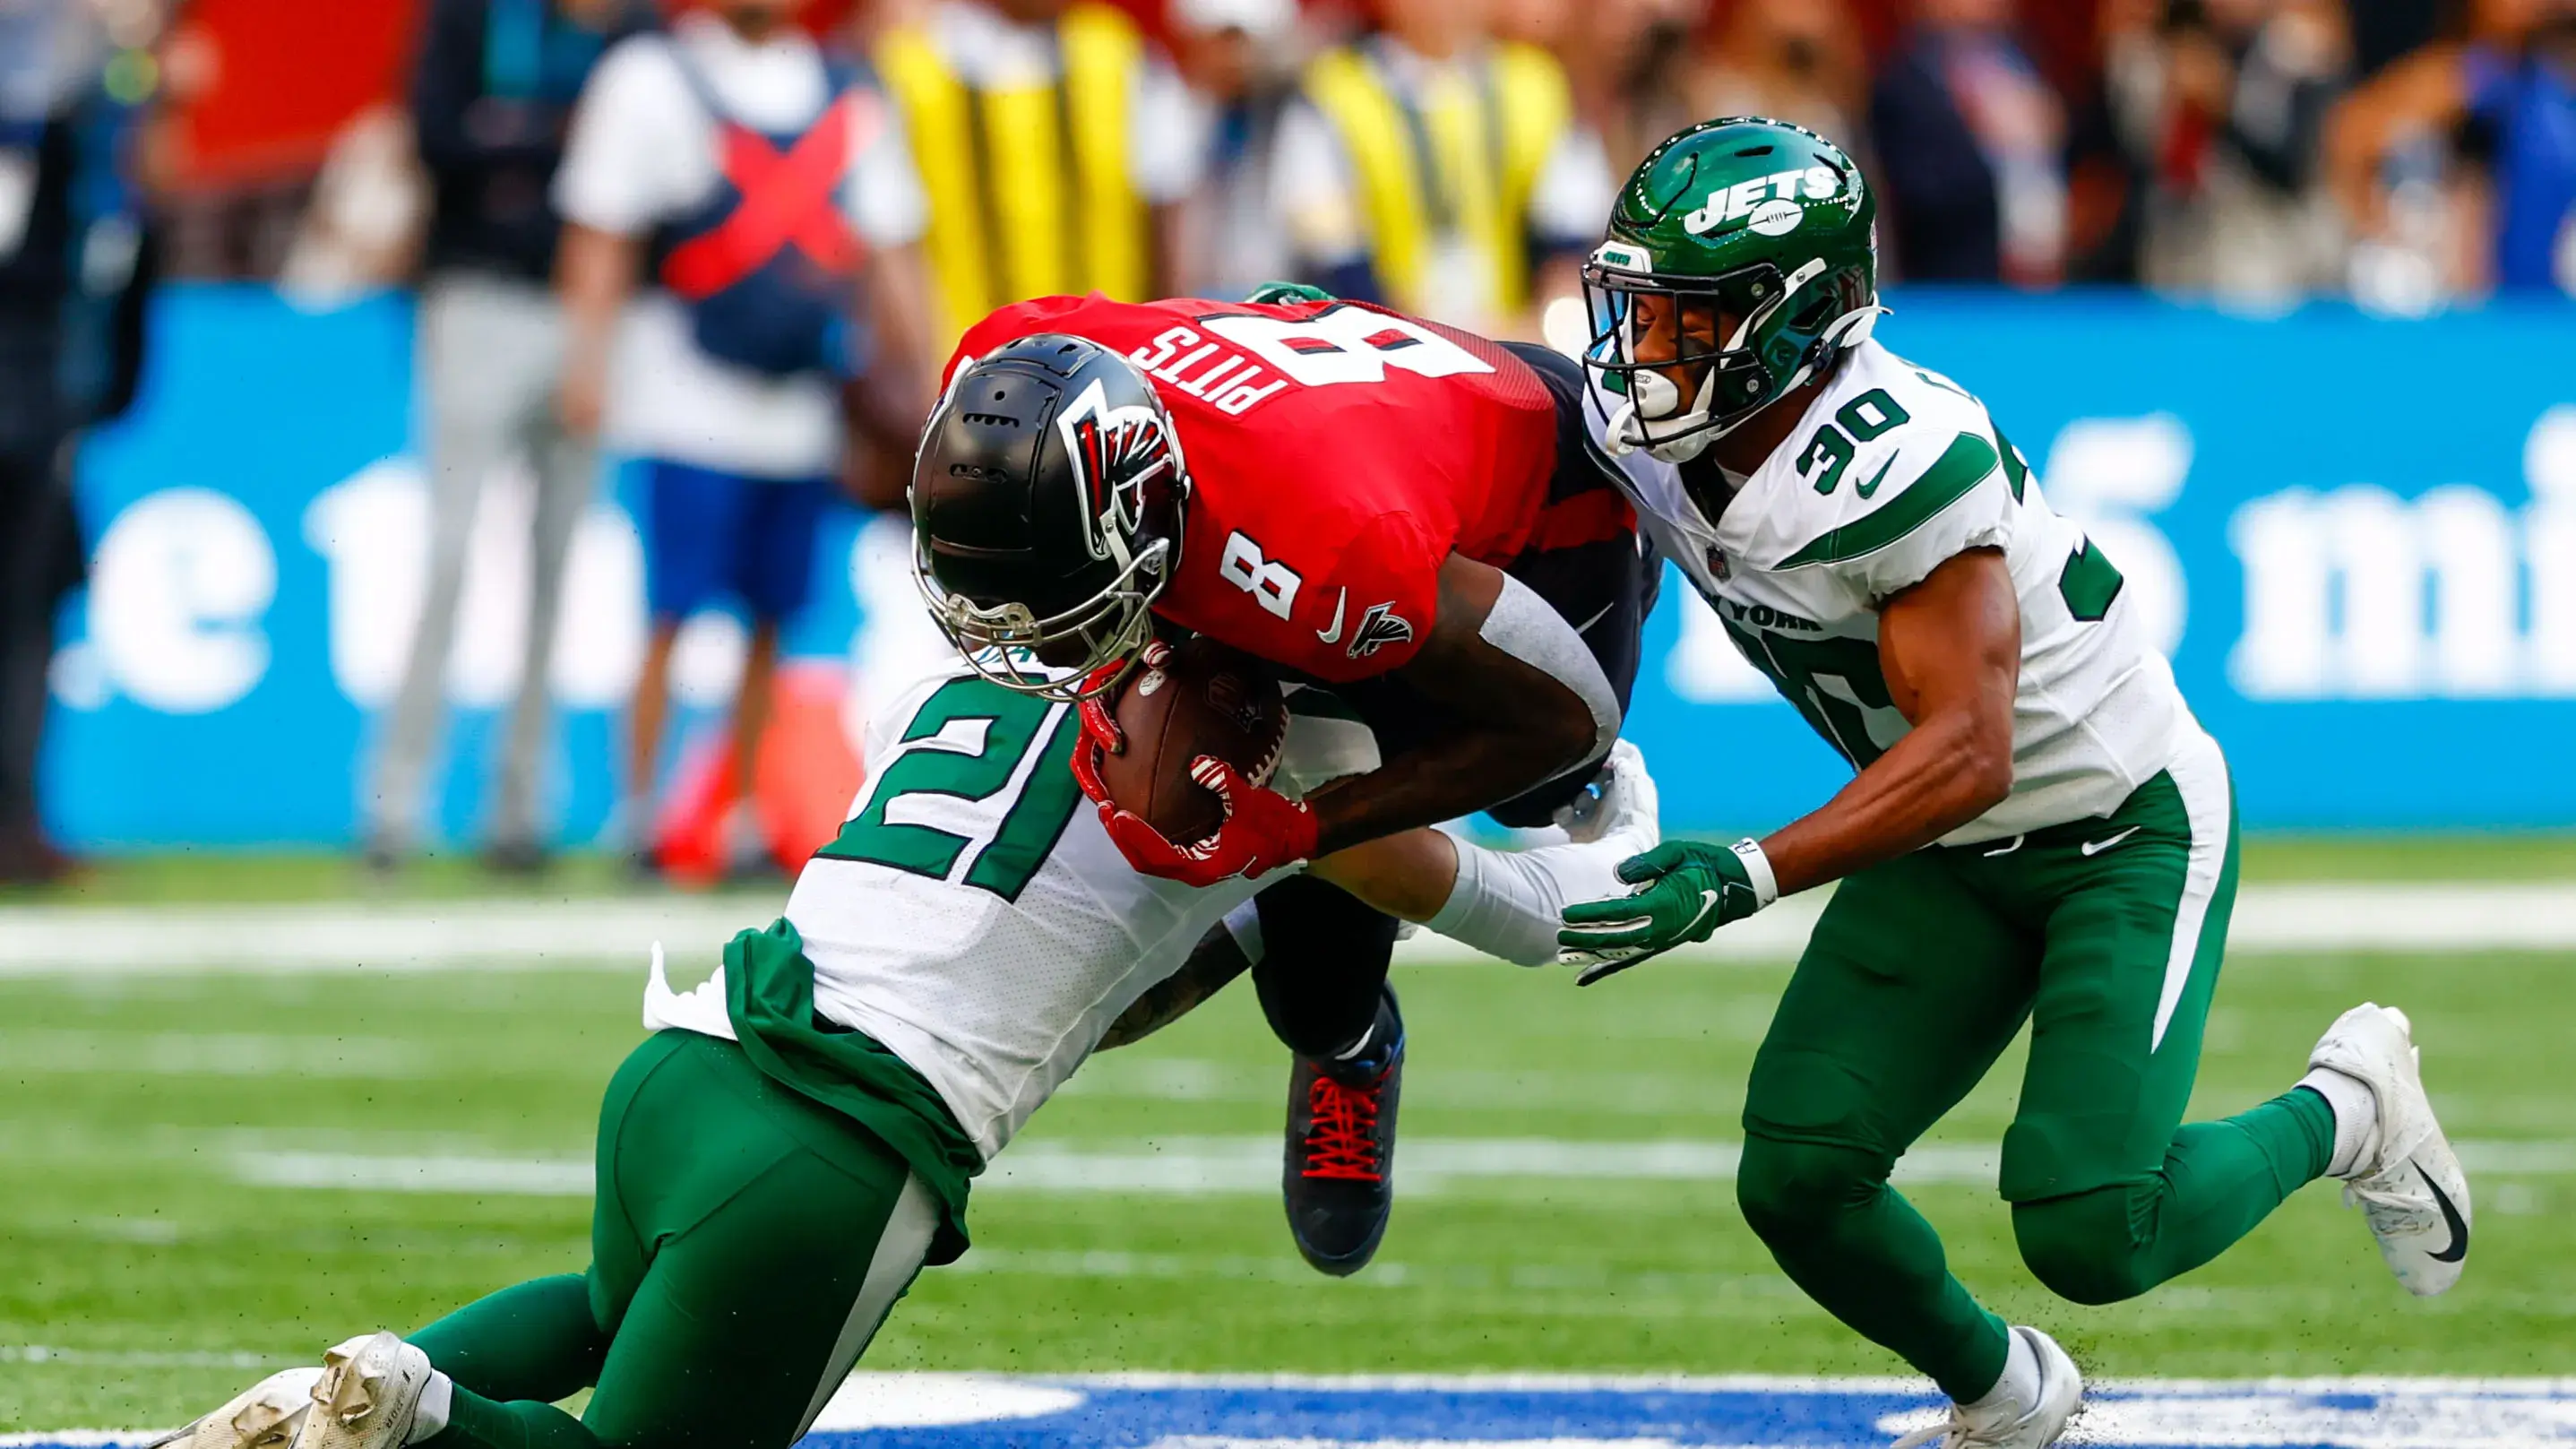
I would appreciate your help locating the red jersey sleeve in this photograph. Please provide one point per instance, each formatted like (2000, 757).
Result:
(1361, 608)
(1375, 608)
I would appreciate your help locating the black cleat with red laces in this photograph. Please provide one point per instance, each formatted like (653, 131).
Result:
(1339, 1179)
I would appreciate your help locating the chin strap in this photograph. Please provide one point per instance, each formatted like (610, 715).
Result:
(1626, 433)
(1852, 328)
(1844, 333)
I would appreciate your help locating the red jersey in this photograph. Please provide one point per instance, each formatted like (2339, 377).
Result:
(1339, 454)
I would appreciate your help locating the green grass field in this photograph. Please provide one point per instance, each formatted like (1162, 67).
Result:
(146, 1271)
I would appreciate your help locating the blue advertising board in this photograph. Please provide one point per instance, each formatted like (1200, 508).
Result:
(2356, 537)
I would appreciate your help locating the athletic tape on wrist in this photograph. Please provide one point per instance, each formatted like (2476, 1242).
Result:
(1757, 866)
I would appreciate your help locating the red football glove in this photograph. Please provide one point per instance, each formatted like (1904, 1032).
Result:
(1263, 831)
(1098, 712)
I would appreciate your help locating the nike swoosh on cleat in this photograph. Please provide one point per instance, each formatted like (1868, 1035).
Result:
(2459, 1230)
(2096, 847)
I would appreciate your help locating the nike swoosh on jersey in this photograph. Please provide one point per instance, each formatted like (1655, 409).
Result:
(1333, 635)
(2096, 847)
(1866, 490)
(2451, 1215)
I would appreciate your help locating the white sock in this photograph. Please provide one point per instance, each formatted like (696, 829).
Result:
(2020, 1382)
(2356, 1114)
(430, 1415)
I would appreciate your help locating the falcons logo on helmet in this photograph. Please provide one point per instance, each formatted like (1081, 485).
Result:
(1115, 452)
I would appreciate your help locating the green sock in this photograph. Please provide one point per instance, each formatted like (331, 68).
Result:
(536, 1340)
(1862, 1252)
(2220, 1179)
(475, 1422)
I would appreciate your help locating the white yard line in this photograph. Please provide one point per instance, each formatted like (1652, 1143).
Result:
(608, 931)
(615, 932)
(1227, 1166)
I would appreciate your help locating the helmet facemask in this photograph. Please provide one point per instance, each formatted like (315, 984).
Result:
(1071, 640)
(1752, 364)
(1060, 657)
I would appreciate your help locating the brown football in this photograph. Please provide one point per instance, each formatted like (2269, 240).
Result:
(1206, 699)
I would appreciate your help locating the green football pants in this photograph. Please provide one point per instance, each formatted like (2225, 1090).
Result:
(2106, 936)
(745, 1245)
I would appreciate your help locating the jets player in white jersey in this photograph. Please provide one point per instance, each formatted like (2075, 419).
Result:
(2037, 828)
(794, 1141)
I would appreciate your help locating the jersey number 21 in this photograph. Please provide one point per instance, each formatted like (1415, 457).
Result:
(993, 763)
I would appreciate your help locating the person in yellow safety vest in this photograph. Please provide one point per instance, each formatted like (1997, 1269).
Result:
(1054, 145)
(1442, 172)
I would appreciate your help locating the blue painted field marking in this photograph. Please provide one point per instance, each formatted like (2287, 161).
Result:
(1542, 1412)
(974, 1411)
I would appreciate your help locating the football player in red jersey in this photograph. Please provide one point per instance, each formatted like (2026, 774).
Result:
(1406, 516)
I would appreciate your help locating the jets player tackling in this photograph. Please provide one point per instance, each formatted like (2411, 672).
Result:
(2038, 828)
(795, 1140)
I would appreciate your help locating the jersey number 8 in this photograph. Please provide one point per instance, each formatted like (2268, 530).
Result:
(1346, 344)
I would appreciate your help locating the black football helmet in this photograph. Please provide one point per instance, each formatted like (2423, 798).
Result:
(1046, 512)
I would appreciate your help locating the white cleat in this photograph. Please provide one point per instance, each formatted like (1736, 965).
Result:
(2406, 1179)
(2009, 1423)
(264, 1416)
(367, 1395)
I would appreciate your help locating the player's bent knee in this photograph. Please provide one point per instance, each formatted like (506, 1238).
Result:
(1794, 1190)
(2084, 1248)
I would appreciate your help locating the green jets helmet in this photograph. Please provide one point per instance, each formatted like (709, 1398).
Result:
(1757, 234)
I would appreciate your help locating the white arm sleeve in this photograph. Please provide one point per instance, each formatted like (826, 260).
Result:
(1510, 903)
(1524, 626)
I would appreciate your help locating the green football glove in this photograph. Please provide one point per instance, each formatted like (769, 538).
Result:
(1289, 292)
(1680, 891)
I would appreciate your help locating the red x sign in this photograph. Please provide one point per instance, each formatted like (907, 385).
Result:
(788, 200)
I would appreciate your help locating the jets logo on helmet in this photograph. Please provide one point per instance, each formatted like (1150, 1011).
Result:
(1741, 261)
(1115, 453)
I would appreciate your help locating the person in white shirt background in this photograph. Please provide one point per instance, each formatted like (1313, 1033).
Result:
(740, 447)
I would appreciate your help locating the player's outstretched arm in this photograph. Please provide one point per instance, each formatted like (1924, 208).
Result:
(1507, 903)
(1215, 961)
(1951, 650)
(1501, 902)
(1530, 702)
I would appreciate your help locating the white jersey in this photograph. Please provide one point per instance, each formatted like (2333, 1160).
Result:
(1892, 471)
(973, 916)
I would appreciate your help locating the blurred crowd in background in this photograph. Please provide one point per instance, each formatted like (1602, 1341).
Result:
(734, 239)
(2404, 150)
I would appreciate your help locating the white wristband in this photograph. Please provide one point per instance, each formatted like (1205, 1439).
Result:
(1757, 866)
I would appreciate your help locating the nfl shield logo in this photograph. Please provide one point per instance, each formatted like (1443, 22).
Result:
(1717, 564)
